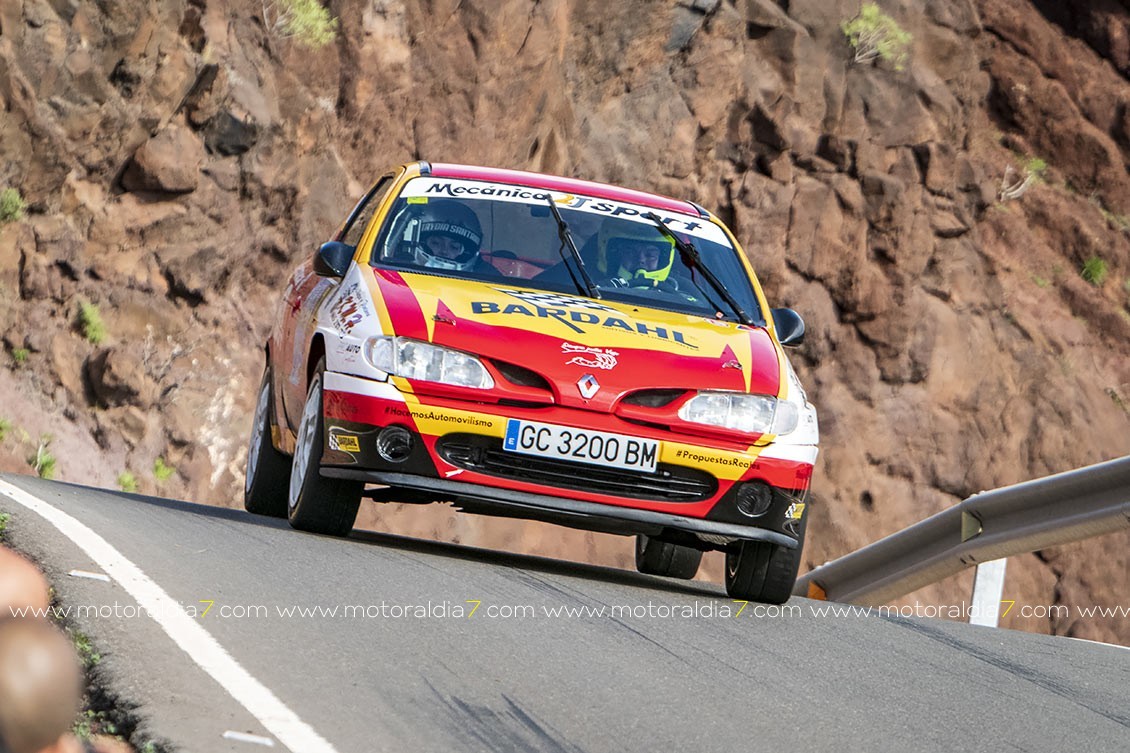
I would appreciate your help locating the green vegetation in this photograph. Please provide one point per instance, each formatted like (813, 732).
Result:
(127, 482)
(161, 471)
(5, 427)
(873, 34)
(1015, 183)
(1094, 271)
(4, 518)
(43, 461)
(1117, 399)
(11, 206)
(1119, 222)
(307, 22)
(93, 328)
(20, 355)
(86, 653)
(1036, 167)
(1041, 282)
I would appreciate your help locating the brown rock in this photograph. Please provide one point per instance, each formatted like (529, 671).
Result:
(65, 362)
(937, 162)
(118, 378)
(883, 194)
(167, 163)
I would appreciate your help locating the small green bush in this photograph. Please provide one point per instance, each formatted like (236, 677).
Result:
(307, 22)
(43, 461)
(1094, 271)
(127, 482)
(1015, 184)
(161, 471)
(5, 427)
(1036, 167)
(11, 206)
(20, 355)
(93, 328)
(84, 647)
(874, 34)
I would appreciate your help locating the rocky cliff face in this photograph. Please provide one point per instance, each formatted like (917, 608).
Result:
(178, 158)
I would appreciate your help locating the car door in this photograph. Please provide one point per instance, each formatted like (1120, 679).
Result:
(305, 294)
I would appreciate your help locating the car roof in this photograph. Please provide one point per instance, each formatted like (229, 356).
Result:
(566, 185)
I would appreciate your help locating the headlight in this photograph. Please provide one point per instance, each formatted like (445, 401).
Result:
(413, 359)
(756, 414)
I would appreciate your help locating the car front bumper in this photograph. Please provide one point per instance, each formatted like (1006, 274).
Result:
(456, 456)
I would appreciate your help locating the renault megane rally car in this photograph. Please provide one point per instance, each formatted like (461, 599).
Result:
(543, 348)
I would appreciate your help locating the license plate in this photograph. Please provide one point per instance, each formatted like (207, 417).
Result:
(581, 445)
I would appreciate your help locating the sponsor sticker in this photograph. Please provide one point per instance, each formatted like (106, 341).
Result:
(590, 358)
(344, 442)
(573, 320)
(350, 309)
(424, 187)
(696, 456)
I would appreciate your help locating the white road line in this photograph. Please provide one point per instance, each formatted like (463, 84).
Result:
(194, 640)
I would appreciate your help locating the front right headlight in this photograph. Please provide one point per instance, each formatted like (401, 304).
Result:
(416, 359)
(755, 414)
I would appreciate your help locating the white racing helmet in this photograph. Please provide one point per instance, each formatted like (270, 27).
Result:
(450, 236)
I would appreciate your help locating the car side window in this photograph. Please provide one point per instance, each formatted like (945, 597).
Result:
(359, 219)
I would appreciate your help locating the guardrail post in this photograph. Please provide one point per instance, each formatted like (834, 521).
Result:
(988, 586)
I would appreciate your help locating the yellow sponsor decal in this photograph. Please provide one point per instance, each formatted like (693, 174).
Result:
(437, 421)
(795, 511)
(345, 443)
(417, 199)
(724, 465)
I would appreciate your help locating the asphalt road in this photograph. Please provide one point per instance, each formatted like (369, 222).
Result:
(669, 670)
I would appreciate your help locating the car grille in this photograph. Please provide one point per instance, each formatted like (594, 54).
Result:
(670, 483)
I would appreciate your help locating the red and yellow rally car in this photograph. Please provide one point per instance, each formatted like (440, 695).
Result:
(545, 348)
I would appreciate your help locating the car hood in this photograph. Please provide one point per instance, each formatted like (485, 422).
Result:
(565, 338)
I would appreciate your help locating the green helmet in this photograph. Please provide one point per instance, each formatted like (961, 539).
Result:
(637, 252)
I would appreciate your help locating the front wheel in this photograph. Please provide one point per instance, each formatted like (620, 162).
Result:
(763, 572)
(315, 503)
(656, 557)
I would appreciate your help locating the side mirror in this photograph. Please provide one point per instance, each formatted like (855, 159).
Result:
(333, 259)
(790, 327)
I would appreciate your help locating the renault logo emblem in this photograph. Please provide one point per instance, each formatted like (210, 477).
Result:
(588, 386)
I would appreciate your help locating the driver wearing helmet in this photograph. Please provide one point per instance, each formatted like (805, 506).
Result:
(640, 254)
(450, 237)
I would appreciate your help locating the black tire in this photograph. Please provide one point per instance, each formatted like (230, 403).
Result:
(763, 572)
(268, 470)
(315, 503)
(656, 557)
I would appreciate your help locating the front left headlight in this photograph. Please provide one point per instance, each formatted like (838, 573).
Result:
(755, 414)
(415, 359)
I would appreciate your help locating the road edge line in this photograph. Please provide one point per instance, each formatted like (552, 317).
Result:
(190, 637)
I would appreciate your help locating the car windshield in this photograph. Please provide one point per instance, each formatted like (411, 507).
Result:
(500, 232)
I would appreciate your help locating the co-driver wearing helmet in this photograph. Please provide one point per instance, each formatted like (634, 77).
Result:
(642, 257)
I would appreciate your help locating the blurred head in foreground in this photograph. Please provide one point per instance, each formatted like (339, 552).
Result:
(21, 584)
(40, 686)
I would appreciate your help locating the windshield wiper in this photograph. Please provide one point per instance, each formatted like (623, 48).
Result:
(567, 240)
(693, 260)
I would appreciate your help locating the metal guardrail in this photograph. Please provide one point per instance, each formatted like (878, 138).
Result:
(991, 525)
